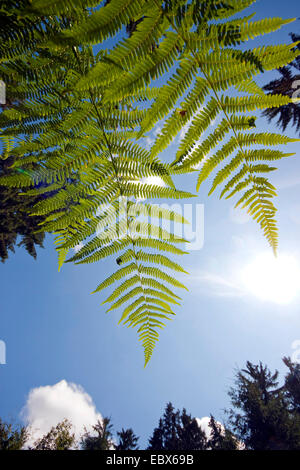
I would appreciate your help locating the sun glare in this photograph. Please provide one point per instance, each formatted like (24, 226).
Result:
(273, 279)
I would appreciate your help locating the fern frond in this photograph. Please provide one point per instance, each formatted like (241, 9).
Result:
(75, 120)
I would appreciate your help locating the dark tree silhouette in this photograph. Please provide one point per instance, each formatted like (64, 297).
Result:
(127, 440)
(264, 416)
(15, 219)
(165, 436)
(292, 384)
(261, 416)
(286, 84)
(100, 439)
(157, 441)
(177, 431)
(221, 438)
(191, 436)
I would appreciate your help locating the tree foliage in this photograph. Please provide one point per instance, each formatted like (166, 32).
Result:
(127, 440)
(177, 431)
(15, 219)
(100, 438)
(287, 84)
(12, 438)
(262, 417)
(292, 385)
(81, 112)
(59, 437)
(221, 438)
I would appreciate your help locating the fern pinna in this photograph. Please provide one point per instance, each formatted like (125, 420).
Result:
(85, 110)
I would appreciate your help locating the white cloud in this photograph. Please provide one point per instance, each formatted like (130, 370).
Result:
(158, 128)
(48, 405)
(151, 137)
(155, 180)
(152, 180)
(203, 423)
(149, 141)
(185, 128)
(78, 247)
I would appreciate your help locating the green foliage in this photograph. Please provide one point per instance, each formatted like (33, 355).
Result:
(222, 438)
(12, 438)
(292, 385)
(263, 417)
(59, 437)
(79, 118)
(15, 219)
(100, 438)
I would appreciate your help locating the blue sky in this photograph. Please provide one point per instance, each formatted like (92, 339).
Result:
(54, 329)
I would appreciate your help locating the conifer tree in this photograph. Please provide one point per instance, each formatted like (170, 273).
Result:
(12, 438)
(292, 384)
(191, 436)
(261, 417)
(15, 219)
(156, 441)
(100, 438)
(287, 84)
(127, 440)
(177, 431)
(221, 438)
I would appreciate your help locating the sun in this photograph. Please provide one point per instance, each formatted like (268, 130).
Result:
(273, 279)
